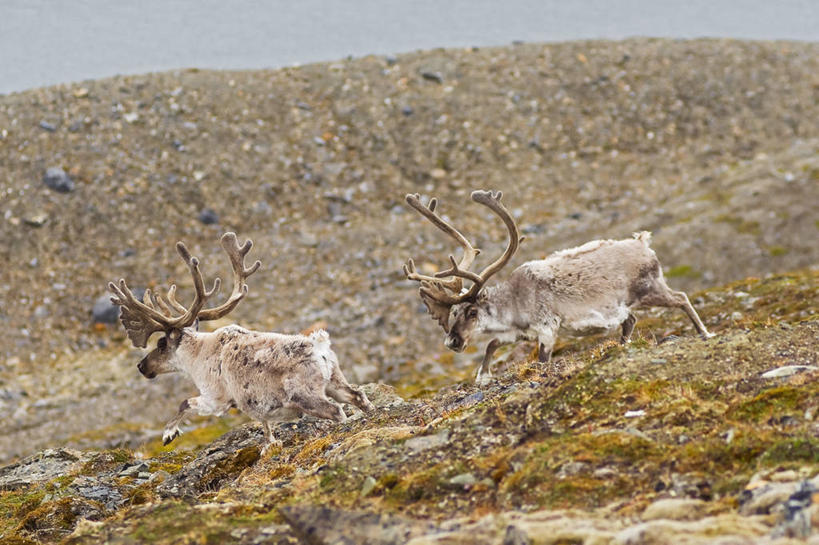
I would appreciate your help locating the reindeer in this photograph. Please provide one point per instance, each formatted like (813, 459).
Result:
(580, 291)
(269, 376)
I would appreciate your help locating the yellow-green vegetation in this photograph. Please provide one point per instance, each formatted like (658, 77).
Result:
(602, 425)
(681, 270)
(748, 227)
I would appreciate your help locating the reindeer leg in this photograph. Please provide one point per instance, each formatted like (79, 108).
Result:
(311, 402)
(486, 363)
(194, 404)
(546, 338)
(628, 327)
(341, 390)
(270, 440)
(663, 296)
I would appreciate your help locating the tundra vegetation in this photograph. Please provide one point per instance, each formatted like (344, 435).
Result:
(666, 439)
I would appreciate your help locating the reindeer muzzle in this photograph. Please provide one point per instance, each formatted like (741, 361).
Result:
(454, 343)
(141, 366)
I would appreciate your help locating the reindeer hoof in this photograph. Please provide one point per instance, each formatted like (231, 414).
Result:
(271, 444)
(170, 435)
(483, 379)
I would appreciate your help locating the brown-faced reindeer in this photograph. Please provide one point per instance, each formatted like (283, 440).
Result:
(579, 291)
(268, 376)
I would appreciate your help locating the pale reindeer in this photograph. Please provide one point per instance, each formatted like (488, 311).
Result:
(269, 376)
(579, 291)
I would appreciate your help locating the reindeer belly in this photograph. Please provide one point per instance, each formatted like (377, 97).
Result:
(592, 321)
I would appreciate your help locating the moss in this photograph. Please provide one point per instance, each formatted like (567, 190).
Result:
(16, 505)
(792, 449)
(777, 251)
(314, 449)
(741, 225)
(682, 271)
(231, 467)
(282, 471)
(775, 401)
(54, 516)
(194, 438)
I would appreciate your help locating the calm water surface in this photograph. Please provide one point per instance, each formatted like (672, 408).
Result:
(43, 42)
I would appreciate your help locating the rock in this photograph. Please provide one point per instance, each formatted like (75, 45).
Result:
(465, 402)
(46, 126)
(106, 312)
(41, 467)
(788, 370)
(433, 76)
(55, 178)
(426, 442)
(133, 469)
(368, 486)
(208, 216)
(318, 525)
(36, 220)
(407, 111)
(675, 509)
(463, 480)
(572, 468)
(216, 465)
(91, 489)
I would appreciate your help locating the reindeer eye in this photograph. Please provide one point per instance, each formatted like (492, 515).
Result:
(472, 313)
(162, 343)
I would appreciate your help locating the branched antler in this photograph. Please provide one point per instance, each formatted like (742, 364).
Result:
(445, 293)
(156, 313)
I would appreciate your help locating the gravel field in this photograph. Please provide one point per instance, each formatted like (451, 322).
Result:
(711, 144)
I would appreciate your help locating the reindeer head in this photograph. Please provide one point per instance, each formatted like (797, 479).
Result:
(461, 312)
(155, 313)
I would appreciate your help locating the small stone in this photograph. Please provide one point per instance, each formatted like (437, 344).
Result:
(407, 111)
(130, 117)
(438, 173)
(36, 220)
(635, 414)
(50, 127)
(368, 486)
(104, 311)
(788, 370)
(433, 76)
(55, 178)
(208, 216)
(82, 92)
(675, 509)
(572, 468)
(659, 361)
(464, 479)
(425, 442)
(390, 60)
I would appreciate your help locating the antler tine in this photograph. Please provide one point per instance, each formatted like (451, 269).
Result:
(470, 253)
(412, 273)
(455, 270)
(492, 200)
(236, 254)
(140, 320)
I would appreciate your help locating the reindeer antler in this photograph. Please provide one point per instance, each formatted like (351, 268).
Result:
(155, 313)
(438, 294)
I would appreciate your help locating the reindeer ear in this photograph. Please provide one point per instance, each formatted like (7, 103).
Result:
(438, 310)
(138, 326)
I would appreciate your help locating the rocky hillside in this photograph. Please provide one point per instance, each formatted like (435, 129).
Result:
(711, 144)
(683, 440)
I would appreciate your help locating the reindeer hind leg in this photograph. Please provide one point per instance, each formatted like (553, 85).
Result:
(343, 392)
(662, 296)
